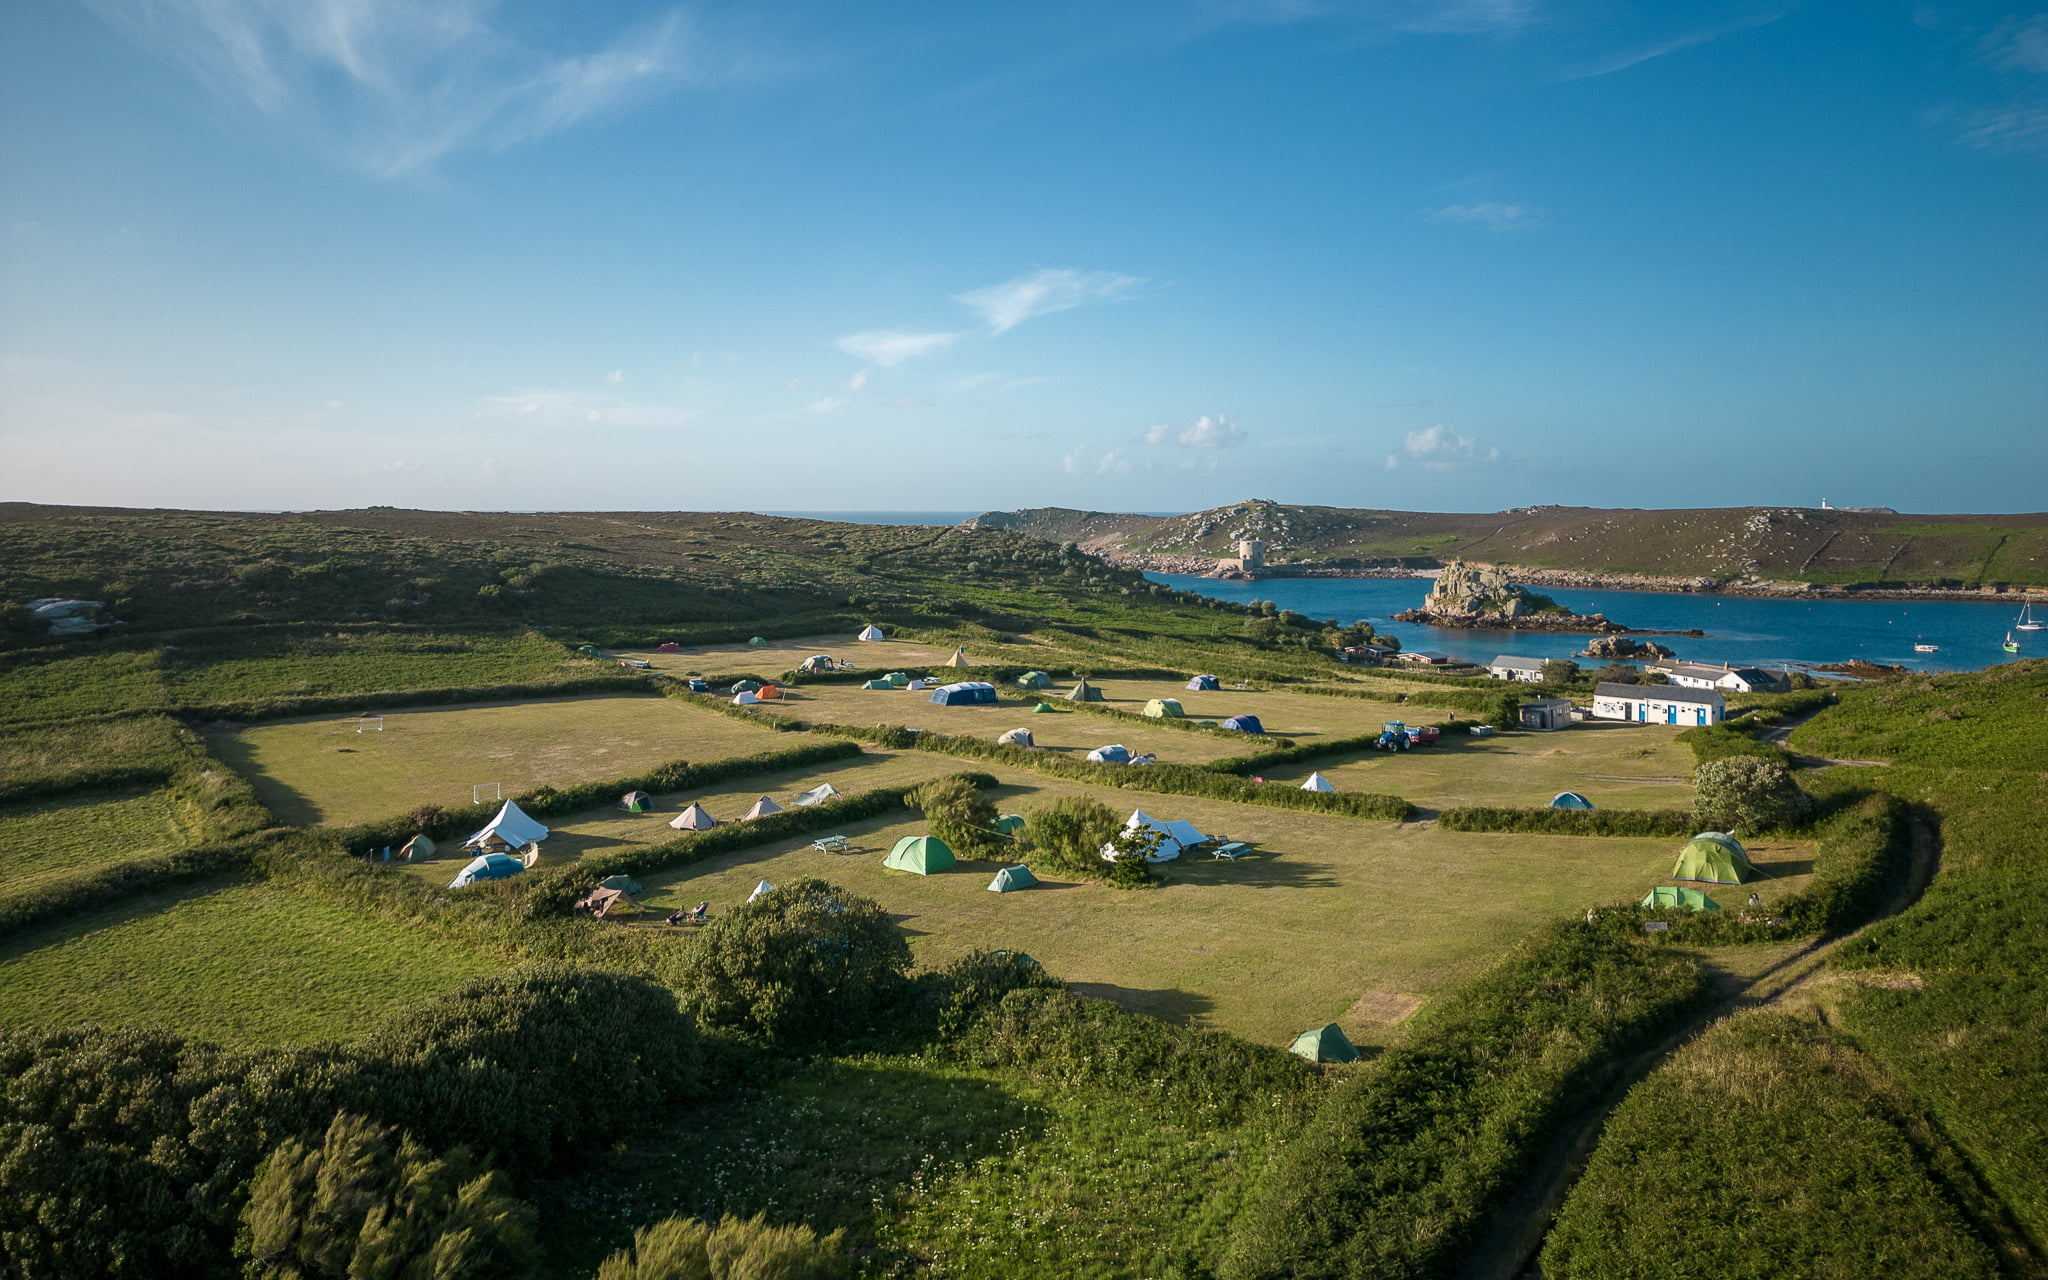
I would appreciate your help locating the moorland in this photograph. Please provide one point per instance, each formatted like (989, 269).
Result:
(239, 1031)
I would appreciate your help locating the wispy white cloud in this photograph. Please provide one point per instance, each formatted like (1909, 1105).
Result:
(1115, 462)
(1005, 306)
(996, 382)
(1489, 214)
(2020, 44)
(858, 381)
(890, 347)
(1706, 35)
(390, 87)
(1072, 463)
(1218, 432)
(1439, 448)
(824, 404)
(568, 407)
(615, 377)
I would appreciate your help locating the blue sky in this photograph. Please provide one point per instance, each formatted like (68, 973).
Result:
(1426, 254)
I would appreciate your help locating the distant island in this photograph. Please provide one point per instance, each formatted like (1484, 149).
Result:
(1481, 598)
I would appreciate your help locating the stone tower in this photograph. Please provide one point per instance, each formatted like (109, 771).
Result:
(1251, 553)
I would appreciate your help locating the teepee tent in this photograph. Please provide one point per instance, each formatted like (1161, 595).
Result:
(635, 801)
(1202, 683)
(1665, 895)
(1010, 879)
(693, 819)
(761, 890)
(1244, 724)
(417, 849)
(921, 855)
(1016, 738)
(1317, 782)
(870, 632)
(816, 795)
(1084, 692)
(1714, 858)
(511, 826)
(1165, 709)
(491, 866)
(1324, 1044)
(959, 658)
(762, 808)
(1570, 800)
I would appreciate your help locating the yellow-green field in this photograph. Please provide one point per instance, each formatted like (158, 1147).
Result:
(244, 963)
(784, 655)
(323, 771)
(55, 838)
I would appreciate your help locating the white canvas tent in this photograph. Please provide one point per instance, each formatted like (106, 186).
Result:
(816, 795)
(1175, 837)
(871, 632)
(511, 826)
(744, 698)
(693, 819)
(1317, 782)
(763, 807)
(761, 890)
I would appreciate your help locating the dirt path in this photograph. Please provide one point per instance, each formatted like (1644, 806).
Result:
(1516, 1230)
(1782, 737)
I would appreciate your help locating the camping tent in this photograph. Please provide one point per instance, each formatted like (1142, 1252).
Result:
(1714, 858)
(758, 642)
(668, 646)
(1174, 837)
(693, 819)
(1013, 878)
(1165, 709)
(511, 826)
(589, 651)
(1244, 724)
(1570, 800)
(916, 686)
(1034, 680)
(817, 662)
(1016, 738)
(747, 686)
(1042, 708)
(745, 698)
(417, 849)
(870, 632)
(878, 684)
(1114, 753)
(769, 693)
(635, 801)
(762, 808)
(959, 658)
(608, 904)
(1203, 683)
(1317, 782)
(761, 890)
(491, 866)
(1324, 1044)
(816, 795)
(1665, 895)
(623, 883)
(1010, 823)
(1084, 692)
(897, 679)
(922, 855)
(967, 693)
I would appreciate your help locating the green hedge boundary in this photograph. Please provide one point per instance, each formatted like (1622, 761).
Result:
(1570, 822)
(55, 900)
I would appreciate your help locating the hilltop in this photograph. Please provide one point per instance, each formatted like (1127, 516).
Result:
(1697, 549)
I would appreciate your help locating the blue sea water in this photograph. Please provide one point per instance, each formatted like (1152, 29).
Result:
(1741, 630)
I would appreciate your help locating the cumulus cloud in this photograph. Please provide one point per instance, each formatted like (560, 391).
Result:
(615, 377)
(1005, 306)
(1071, 464)
(1115, 462)
(1440, 448)
(891, 347)
(1488, 213)
(1218, 432)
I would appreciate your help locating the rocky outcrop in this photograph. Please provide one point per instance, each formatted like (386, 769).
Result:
(1623, 648)
(1482, 597)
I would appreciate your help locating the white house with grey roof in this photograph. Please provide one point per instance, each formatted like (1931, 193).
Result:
(1658, 704)
(1508, 667)
(1713, 675)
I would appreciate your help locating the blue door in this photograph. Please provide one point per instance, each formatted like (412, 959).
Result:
(1671, 715)
(1703, 715)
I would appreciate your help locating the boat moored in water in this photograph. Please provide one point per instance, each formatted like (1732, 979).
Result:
(2026, 622)
(1927, 648)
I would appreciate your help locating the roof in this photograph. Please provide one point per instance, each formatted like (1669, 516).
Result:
(1697, 670)
(1658, 693)
(1513, 663)
(1754, 674)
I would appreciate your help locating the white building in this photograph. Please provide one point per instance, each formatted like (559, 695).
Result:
(1708, 675)
(1658, 704)
(1508, 667)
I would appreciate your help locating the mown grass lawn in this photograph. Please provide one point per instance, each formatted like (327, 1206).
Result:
(50, 838)
(777, 656)
(246, 963)
(321, 770)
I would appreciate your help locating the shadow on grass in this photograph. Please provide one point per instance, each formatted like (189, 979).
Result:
(286, 802)
(831, 1143)
(1260, 870)
(1168, 1004)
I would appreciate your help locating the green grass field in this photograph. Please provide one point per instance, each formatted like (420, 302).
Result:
(321, 770)
(51, 838)
(241, 963)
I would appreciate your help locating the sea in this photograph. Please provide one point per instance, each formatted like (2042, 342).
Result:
(1741, 630)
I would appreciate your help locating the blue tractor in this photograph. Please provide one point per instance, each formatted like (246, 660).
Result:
(1393, 737)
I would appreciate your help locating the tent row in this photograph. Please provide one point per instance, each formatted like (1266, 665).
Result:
(1711, 857)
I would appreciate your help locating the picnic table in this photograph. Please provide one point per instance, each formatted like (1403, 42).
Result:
(1230, 851)
(830, 844)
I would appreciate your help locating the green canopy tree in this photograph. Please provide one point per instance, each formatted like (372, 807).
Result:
(1746, 792)
(1068, 836)
(960, 814)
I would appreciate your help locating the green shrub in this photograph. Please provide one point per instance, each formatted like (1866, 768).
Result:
(1711, 742)
(731, 1249)
(1067, 836)
(974, 984)
(1748, 793)
(803, 964)
(960, 815)
(367, 1202)
(1570, 822)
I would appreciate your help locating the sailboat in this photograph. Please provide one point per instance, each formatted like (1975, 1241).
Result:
(2011, 645)
(2026, 622)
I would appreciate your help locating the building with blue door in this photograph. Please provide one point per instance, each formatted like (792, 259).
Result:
(1658, 704)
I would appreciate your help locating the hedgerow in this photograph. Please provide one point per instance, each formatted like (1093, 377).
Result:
(1545, 821)
(1395, 1174)
(1710, 742)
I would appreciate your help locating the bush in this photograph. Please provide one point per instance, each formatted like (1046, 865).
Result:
(1746, 792)
(367, 1202)
(1711, 742)
(959, 814)
(733, 1249)
(1068, 836)
(1571, 822)
(974, 984)
(799, 965)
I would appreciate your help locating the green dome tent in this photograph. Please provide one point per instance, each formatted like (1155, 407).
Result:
(897, 680)
(1324, 1044)
(920, 855)
(589, 651)
(1665, 895)
(1084, 692)
(878, 684)
(1010, 879)
(1041, 707)
(1165, 709)
(635, 801)
(758, 642)
(1034, 680)
(1715, 859)
(1010, 823)
(417, 849)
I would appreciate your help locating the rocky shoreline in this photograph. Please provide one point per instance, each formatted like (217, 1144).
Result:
(1593, 624)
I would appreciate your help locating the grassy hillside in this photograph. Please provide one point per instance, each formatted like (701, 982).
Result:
(1723, 544)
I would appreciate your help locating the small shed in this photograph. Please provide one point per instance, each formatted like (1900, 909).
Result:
(1546, 714)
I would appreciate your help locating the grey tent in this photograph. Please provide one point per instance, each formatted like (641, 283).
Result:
(417, 849)
(624, 884)
(1034, 680)
(816, 795)
(635, 801)
(762, 808)
(1324, 1044)
(1010, 879)
(693, 819)
(1084, 692)
(1016, 738)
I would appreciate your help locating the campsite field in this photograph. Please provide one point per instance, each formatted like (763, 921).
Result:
(1335, 919)
(49, 838)
(321, 770)
(241, 963)
(778, 656)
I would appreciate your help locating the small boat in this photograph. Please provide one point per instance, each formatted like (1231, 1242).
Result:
(2011, 645)
(1927, 648)
(2026, 622)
